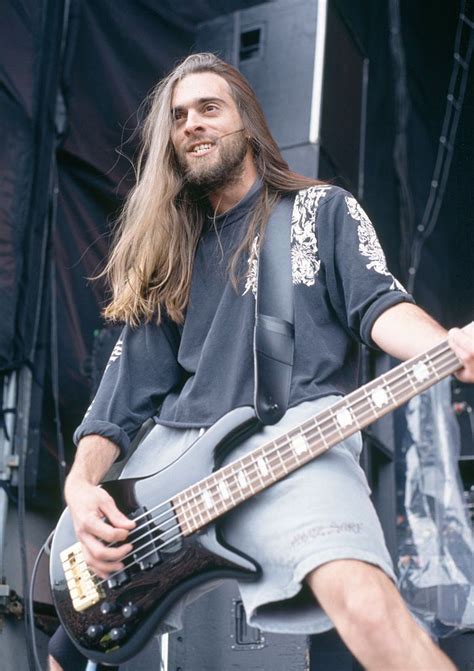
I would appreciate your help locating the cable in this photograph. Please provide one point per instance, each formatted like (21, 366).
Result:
(400, 148)
(54, 15)
(54, 353)
(22, 452)
(30, 605)
(454, 105)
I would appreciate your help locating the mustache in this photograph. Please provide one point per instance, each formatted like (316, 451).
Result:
(213, 140)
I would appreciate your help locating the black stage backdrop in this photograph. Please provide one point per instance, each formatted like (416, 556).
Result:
(72, 76)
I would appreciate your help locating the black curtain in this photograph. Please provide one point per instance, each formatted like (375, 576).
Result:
(72, 76)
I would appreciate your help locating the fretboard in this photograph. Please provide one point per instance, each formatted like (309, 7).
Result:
(218, 493)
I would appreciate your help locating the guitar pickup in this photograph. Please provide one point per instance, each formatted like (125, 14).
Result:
(81, 582)
(118, 578)
(145, 552)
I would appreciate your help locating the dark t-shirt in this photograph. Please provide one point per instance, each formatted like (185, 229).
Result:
(204, 368)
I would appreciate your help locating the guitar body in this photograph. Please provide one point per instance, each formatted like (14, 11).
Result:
(175, 546)
(132, 605)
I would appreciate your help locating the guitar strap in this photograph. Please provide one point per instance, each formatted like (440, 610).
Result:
(274, 334)
(274, 328)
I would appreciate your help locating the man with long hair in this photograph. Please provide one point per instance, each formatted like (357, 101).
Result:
(183, 277)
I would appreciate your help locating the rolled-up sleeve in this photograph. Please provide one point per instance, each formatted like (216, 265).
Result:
(141, 370)
(359, 283)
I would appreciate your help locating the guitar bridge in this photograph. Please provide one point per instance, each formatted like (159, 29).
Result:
(82, 583)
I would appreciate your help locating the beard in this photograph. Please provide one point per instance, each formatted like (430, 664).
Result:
(223, 167)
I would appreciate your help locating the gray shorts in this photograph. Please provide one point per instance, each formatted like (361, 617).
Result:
(319, 513)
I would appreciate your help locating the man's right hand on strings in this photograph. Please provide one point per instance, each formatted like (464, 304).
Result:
(97, 521)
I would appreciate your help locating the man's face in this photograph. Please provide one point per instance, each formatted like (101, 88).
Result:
(207, 134)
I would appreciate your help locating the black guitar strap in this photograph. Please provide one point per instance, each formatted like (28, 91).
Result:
(274, 333)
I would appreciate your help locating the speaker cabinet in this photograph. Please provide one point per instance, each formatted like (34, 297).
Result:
(310, 75)
(216, 637)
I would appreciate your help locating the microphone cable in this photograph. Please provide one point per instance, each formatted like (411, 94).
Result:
(45, 549)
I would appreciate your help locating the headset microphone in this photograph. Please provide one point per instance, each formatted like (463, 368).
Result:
(239, 130)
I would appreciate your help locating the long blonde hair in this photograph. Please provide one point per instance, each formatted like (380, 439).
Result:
(151, 261)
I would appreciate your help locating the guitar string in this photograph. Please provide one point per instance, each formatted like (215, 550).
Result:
(232, 474)
(275, 452)
(251, 459)
(172, 539)
(252, 463)
(320, 423)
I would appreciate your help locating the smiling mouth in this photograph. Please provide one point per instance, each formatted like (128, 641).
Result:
(200, 149)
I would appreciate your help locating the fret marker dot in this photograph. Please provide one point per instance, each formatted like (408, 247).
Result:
(421, 372)
(379, 397)
(344, 417)
(243, 482)
(262, 466)
(224, 490)
(299, 444)
(207, 499)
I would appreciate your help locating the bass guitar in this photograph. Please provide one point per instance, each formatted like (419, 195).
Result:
(110, 620)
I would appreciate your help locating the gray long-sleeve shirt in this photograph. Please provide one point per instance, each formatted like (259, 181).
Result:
(202, 369)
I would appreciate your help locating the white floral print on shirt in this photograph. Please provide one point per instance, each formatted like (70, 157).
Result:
(305, 262)
(369, 245)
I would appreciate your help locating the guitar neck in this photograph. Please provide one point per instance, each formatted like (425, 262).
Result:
(222, 491)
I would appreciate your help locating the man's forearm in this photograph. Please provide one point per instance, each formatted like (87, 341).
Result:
(98, 524)
(94, 456)
(404, 331)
